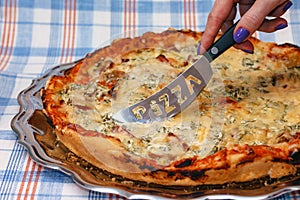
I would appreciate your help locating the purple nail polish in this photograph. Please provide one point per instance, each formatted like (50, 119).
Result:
(280, 26)
(198, 49)
(287, 6)
(240, 35)
(247, 51)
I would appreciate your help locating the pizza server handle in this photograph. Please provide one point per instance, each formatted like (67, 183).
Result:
(221, 45)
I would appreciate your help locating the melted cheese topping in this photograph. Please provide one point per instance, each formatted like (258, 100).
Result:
(250, 100)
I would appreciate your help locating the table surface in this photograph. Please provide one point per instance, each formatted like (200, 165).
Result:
(37, 35)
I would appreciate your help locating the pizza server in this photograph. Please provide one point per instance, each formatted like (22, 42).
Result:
(191, 82)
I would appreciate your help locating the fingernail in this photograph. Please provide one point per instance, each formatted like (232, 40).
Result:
(247, 51)
(280, 26)
(240, 35)
(287, 6)
(198, 49)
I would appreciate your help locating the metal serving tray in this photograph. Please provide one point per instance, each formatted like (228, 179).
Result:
(31, 127)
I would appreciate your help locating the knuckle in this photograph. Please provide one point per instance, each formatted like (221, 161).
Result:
(252, 20)
(215, 17)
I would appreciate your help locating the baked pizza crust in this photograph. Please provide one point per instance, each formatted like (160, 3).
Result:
(235, 163)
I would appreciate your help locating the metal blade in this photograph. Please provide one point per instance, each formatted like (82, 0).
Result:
(170, 100)
(175, 97)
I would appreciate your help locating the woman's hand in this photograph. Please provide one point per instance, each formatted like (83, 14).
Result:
(253, 17)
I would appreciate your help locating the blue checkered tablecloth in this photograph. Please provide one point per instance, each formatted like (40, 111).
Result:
(37, 35)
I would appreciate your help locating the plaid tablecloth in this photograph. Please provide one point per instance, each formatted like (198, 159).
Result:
(37, 35)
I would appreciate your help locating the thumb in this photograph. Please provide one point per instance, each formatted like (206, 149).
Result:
(253, 19)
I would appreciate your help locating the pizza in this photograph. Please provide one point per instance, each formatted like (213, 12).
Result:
(244, 126)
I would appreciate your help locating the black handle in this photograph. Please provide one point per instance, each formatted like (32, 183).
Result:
(221, 45)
